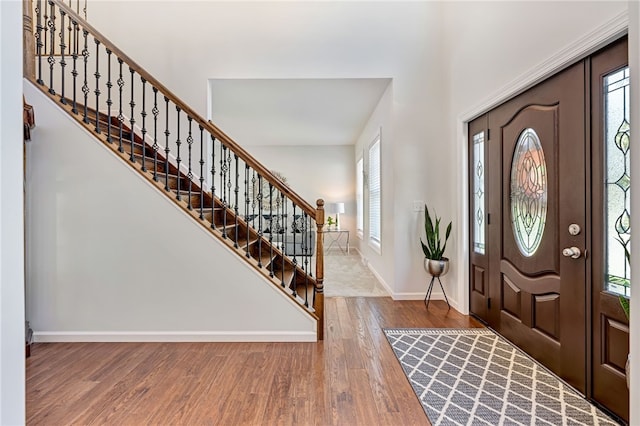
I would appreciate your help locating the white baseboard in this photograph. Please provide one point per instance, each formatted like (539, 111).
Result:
(172, 336)
(379, 278)
(435, 295)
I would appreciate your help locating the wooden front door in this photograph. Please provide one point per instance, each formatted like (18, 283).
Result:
(538, 192)
(538, 221)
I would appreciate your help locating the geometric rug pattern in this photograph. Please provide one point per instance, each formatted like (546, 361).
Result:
(475, 377)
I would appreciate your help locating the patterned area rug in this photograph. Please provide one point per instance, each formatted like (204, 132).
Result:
(475, 377)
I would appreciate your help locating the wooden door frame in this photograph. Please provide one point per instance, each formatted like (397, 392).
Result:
(599, 66)
(589, 43)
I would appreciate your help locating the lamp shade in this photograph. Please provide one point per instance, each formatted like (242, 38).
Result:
(333, 208)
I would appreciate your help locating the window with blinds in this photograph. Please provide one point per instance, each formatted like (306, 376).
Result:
(360, 197)
(374, 192)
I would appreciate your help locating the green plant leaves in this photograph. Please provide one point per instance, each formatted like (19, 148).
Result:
(624, 302)
(434, 248)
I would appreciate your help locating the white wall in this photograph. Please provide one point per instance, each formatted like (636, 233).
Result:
(111, 258)
(381, 121)
(12, 338)
(314, 172)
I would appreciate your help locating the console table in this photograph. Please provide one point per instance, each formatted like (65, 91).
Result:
(337, 237)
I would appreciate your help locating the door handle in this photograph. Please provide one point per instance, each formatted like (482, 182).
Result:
(572, 252)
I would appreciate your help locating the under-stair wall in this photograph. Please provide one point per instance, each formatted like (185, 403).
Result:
(110, 258)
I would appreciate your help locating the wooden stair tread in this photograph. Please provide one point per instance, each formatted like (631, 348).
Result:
(228, 225)
(288, 276)
(209, 209)
(267, 258)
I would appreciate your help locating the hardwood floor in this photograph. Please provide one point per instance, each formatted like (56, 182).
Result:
(351, 378)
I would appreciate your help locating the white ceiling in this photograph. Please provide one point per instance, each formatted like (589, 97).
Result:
(294, 111)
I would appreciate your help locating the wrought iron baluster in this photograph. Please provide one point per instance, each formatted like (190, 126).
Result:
(271, 233)
(201, 170)
(167, 150)
(143, 131)
(228, 186)
(109, 101)
(74, 72)
(70, 32)
(254, 197)
(120, 115)
(306, 235)
(190, 172)
(46, 28)
(295, 251)
(235, 207)
(155, 111)
(38, 35)
(260, 231)
(246, 205)
(178, 143)
(132, 120)
(281, 208)
(213, 180)
(97, 89)
(63, 63)
(284, 235)
(85, 86)
(222, 148)
(52, 33)
(76, 37)
(223, 180)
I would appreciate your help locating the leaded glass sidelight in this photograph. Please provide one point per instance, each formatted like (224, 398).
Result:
(478, 193)
(617, 181)
(528, 192)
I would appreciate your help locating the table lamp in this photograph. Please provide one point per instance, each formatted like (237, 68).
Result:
(339, 208)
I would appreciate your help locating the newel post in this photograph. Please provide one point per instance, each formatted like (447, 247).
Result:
(28, 46)
(318, 304)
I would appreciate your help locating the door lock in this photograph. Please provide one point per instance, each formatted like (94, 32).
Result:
(572, 252)
(574, 229)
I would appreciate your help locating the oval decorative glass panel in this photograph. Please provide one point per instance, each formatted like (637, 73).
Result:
(528, 192)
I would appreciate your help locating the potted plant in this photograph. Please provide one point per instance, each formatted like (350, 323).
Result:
(434, 263)
(330, 222)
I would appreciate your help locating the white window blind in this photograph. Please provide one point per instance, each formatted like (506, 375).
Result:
(360, 196)
(374, 192)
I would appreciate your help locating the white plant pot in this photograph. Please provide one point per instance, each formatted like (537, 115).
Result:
(436, 268)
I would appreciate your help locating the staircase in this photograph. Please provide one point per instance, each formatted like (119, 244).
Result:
(209, 176)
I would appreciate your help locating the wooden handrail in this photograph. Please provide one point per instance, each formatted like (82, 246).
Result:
(262, 170)
(207, 125)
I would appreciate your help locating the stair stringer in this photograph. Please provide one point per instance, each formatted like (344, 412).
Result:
(119, 264)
